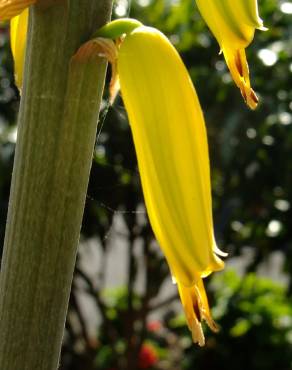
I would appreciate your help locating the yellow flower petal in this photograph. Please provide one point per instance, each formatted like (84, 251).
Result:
(233, 23)
(11, 8)
(18, 31)
(171, 144)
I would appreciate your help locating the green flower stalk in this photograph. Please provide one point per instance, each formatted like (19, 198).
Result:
(57, 125)
(233, 23)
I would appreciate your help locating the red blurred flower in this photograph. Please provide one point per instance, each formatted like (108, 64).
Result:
(154, 325)
(147, 356)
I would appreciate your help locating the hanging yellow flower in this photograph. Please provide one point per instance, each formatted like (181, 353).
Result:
(18, 29)
(11, 8)
(17, 12)
(233, 23)
(171, 144)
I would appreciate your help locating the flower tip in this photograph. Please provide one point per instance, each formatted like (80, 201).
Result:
(250, 97)
(195, 303)
(237, 64)
(212, 324)
(260, 25)
(219, 252)
(197, 333)
(263, 28)
(197, 330)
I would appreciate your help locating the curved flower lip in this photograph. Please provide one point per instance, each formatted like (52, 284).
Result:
(12, 8)
(233, 23)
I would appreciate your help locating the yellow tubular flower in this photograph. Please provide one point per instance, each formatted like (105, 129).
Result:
(17, 11)
(11, 8)
(233, 23)
(171, 144)
(18, 29)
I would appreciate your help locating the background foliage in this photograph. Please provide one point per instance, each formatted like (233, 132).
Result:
(251, 181)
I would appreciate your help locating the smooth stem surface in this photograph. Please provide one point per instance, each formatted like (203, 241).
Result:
(57, 126)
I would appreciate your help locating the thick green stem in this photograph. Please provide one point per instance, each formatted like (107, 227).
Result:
(57, 126)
